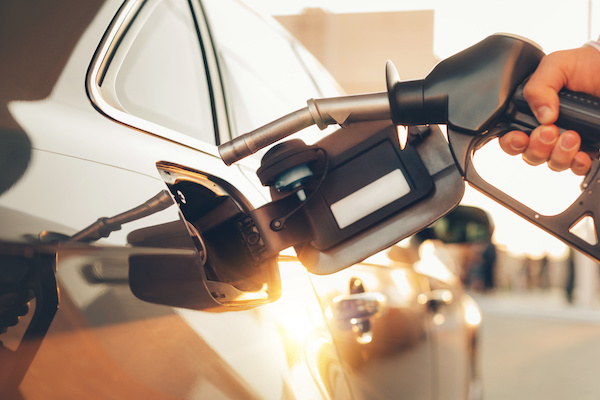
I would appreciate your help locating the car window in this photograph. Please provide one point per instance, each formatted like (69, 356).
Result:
(158, 73)
(264, 76)
(328, 86)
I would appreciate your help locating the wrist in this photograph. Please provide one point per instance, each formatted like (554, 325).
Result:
(594, 43)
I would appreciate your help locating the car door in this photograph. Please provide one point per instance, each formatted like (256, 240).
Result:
(382, 327)
(452, 334)
(127, 200)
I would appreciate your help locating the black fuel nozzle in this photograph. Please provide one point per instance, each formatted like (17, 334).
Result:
(468, 91)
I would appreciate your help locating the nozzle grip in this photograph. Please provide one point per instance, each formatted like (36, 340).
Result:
(577, 111)
(562, 225)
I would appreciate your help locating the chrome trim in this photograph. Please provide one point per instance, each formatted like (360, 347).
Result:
(97, 71)
(215, 73)
(111, 39)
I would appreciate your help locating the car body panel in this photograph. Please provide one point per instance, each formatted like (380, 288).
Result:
(141, 350)
(420, 333)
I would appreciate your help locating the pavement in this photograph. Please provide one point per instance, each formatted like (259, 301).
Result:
(536, 303)
(535, 345)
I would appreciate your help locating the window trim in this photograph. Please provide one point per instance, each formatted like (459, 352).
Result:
(213, 69)
(103, 56)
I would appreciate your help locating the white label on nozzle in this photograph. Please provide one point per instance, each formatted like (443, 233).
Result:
(370, 198)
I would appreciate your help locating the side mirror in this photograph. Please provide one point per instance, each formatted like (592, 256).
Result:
(465, 224)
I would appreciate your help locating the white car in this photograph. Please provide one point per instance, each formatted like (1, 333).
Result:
(132, 236)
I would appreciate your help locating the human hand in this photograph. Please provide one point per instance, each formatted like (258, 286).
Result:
(576, 70)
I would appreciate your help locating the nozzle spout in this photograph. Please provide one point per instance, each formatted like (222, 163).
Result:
(342, 110)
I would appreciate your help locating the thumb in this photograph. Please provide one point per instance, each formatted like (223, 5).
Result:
(543, 100)
(541, 91)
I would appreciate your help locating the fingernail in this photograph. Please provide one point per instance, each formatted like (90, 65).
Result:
(543, 114)
(518, 144)
(547, 135)
(568, 141)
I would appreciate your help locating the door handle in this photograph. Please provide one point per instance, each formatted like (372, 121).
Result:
(436, 299)
(354, 312)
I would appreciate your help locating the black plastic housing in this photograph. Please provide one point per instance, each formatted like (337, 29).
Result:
(355, 162)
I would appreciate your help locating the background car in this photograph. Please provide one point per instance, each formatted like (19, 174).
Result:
(113, 194)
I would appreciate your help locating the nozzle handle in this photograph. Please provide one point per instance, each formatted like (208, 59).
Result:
(577, 111)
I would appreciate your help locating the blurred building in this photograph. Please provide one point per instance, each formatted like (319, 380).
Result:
(355, 47)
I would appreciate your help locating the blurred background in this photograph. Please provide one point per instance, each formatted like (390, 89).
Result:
(541, 329)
